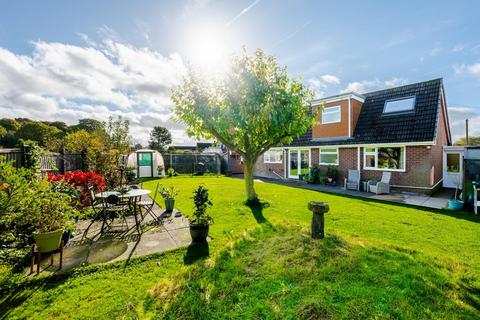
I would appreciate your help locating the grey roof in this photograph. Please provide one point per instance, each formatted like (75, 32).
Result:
(373, 126)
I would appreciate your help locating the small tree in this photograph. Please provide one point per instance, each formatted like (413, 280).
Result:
(160, 137)
(254, 107)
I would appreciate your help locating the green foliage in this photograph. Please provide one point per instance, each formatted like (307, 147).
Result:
(89, 125)
(160, 137)
(201, 202)
(27, 204)
(118, 135)
(314, 174)
(472, 141)
(168, 192)
(3, 132)
(332, 172)
(41, 133)
(171, 172)
(9, 124)
(254, 107)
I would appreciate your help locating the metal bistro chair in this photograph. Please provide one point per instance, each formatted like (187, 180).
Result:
(113, 208)
(148, 205)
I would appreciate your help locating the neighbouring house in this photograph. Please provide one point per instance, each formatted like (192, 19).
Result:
(403, 130)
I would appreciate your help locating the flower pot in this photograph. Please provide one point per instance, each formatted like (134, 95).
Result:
(169, 204)
(48, 241)
(199, 232)
(455, 205)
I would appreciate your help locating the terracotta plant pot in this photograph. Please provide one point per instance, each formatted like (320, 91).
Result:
(48, 241)
(169, 204)
(199, 232)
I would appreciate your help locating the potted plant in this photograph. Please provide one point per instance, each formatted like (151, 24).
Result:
(455, 204)
(168, 195)
(50, 213)
(160, 170)
(200, 222)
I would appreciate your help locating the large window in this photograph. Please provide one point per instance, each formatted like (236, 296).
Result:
(331, 115)
(329, 156)
(384, 158)
(399, 105)
(273, 156)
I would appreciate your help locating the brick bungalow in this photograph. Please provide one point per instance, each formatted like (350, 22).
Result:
(401, 129)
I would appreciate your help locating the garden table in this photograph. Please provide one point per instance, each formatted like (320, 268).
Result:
(132, 196)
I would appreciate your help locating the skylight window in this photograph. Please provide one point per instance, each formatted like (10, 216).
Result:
(399, 105)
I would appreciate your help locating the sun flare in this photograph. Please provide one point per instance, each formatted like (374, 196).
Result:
(209, 49)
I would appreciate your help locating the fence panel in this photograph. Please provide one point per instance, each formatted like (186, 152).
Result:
(13, 155)
(193, 163)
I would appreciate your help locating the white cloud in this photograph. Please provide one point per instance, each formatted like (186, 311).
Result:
(323, 82)
(66, 83)
(457, 116)
(372, 85)
(459, 47)
(328, 78)
(472, 69)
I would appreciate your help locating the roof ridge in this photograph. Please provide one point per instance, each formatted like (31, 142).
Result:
(404, 85)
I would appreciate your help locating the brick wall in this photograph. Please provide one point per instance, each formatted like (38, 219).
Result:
(267, 170)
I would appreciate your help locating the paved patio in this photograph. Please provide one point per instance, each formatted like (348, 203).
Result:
(437, 201)
(122, 241)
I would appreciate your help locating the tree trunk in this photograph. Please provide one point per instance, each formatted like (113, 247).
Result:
(248, 173)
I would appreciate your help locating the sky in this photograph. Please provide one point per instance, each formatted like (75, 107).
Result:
(68, 60)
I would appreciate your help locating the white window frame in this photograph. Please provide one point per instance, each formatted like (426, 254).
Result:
(327, 152)
(376, 168)
(268, 159)
(330, 110)
(413, 98)
(298, 150)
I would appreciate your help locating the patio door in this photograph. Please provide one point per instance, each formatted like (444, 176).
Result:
(145, 164)
(452, 168)
(299, 162)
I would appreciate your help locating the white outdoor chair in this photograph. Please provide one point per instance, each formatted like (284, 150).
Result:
(381, 187)
(476, 204)
(353, 180)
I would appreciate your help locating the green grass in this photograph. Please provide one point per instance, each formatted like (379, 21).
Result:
(378, 261)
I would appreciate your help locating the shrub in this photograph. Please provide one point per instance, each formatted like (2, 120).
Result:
(171, 172)
(27, 204)
(314, 175)
(201, 202)
(332, 172)
(81, 181)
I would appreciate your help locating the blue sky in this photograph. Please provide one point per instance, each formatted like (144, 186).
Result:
(73, 59)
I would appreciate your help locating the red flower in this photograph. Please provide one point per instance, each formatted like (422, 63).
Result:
(81, 180)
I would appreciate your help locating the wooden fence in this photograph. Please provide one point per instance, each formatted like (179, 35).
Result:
(53, 162)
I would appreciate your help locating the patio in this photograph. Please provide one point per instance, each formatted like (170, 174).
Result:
(439, 200)
(121, 242)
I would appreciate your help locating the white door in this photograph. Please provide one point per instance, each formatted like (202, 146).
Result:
(452, 169)
(298, 162)
(145, 164)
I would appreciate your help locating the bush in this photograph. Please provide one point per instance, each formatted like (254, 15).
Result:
(314, 174)
(201, 202)
(332, 172)
(171, 172)
(27, 204)
(80, 181)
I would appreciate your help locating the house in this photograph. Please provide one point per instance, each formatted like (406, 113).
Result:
(402, 130)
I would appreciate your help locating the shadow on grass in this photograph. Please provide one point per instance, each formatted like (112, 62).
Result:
(196, 251)
(270, 270)
(257, 211)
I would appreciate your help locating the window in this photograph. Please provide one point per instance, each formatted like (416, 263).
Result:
(328, 156)
(453, 162)
(331, 115)
(399, 105)
(384, 158)
(273, 156)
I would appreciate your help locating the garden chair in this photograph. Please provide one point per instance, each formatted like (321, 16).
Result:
(381, 187)
(352, 182)
(113, 208)
(147, 205)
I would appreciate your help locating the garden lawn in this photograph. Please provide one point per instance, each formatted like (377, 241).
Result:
(378, 260)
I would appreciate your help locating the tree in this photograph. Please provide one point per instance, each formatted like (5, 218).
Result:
(118, 134)
(254, 107)
(3, 132)
(9, 124)
(37, 131)
(89, 125)
(472, 141)
(160, 137)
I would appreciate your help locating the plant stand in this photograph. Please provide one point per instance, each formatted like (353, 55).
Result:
(318, 220)
(37, 255)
